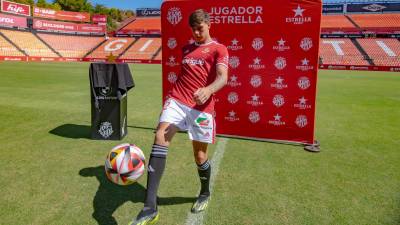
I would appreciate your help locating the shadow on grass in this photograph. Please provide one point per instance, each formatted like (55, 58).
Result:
(72, 131)
(109, 197)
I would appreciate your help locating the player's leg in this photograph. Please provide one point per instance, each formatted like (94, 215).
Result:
(202, 132)
(164, 134)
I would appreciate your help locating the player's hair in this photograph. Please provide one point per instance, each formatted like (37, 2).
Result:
(199, 16)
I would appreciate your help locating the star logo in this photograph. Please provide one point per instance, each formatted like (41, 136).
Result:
(281, 42)
(279, 80)
(302, 100)
(305, 62)
(257, 61)
(234, 78)
(232, 114)
(235, 42)
(299, 11)
(255, 97)
(111, 58)
(171, 59)
(277, 117)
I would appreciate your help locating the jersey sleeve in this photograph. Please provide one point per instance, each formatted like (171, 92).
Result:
(222, 56)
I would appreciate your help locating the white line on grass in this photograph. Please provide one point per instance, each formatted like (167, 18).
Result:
(197, 219)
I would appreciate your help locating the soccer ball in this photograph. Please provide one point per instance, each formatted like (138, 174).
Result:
(125, 164)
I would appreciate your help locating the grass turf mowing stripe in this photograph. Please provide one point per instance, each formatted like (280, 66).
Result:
(197, 219)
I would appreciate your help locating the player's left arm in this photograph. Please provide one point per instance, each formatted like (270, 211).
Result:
(203, 94)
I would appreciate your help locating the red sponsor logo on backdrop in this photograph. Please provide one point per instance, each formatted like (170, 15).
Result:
(61, 15)
(12, 21)
(15, 8)
(99, 18)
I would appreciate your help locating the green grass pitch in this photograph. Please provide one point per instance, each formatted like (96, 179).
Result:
(52, 174)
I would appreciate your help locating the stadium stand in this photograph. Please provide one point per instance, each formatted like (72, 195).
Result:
(336, 21)
(28, 42)
(390, 20)
(113, 45)
(340, 51)
(383, 51)
(143, 25)
(7, 49)
(71, 46)
(144, 48)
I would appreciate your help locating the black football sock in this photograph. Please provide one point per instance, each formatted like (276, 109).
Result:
(204, 174)
(155, 170)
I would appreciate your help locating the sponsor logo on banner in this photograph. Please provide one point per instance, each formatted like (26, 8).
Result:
(256, 81)
(233, 81)
(306, 43)
(281, 47)
(279, 84)
(234, 62)
(254, 117)
(257, 44)
(233, 97)
(232, 117)
(106, 129)
(235, 46)
(302, 104)
(171, 62)
(304, 83)
(174, 15)
(193, 61)
(280, 63)
(301, 121)
(11, 21)
(172, 43)
(374, 7)
(278, 101)
(15, 8)
(298, 17)
(257, 64)
(304, 65)
(277, 121)
(236, 15)
(255, 101)
(172, 77)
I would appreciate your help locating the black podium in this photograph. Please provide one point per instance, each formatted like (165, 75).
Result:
(109, 84)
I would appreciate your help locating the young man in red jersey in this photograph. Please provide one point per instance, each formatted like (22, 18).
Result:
(190, 107)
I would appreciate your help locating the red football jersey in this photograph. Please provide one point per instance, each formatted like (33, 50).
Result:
(199, 69)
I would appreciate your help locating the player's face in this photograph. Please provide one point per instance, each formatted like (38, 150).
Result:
(201, 32)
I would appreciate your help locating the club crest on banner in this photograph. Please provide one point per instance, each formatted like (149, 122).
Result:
(254, 117)
(255, 81)
(172, 77)
(304, 83)
(233, 98)
(301, 121)
(278, 100)
(174, 15)
(172, 43)
(280, 63)
(306, 44)
(258, 44)
(234, 62)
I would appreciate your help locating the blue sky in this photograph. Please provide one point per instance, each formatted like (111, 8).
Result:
(129, 4)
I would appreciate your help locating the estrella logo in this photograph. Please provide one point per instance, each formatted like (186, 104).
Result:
(201, 121)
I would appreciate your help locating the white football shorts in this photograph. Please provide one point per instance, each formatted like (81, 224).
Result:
(199, 125)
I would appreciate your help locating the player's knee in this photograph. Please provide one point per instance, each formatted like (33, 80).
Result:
(161, 137)
(200, 158)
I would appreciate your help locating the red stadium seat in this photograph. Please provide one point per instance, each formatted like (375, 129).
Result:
(340, 51)
(384, 52)
(71, 46)
(144, 48)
